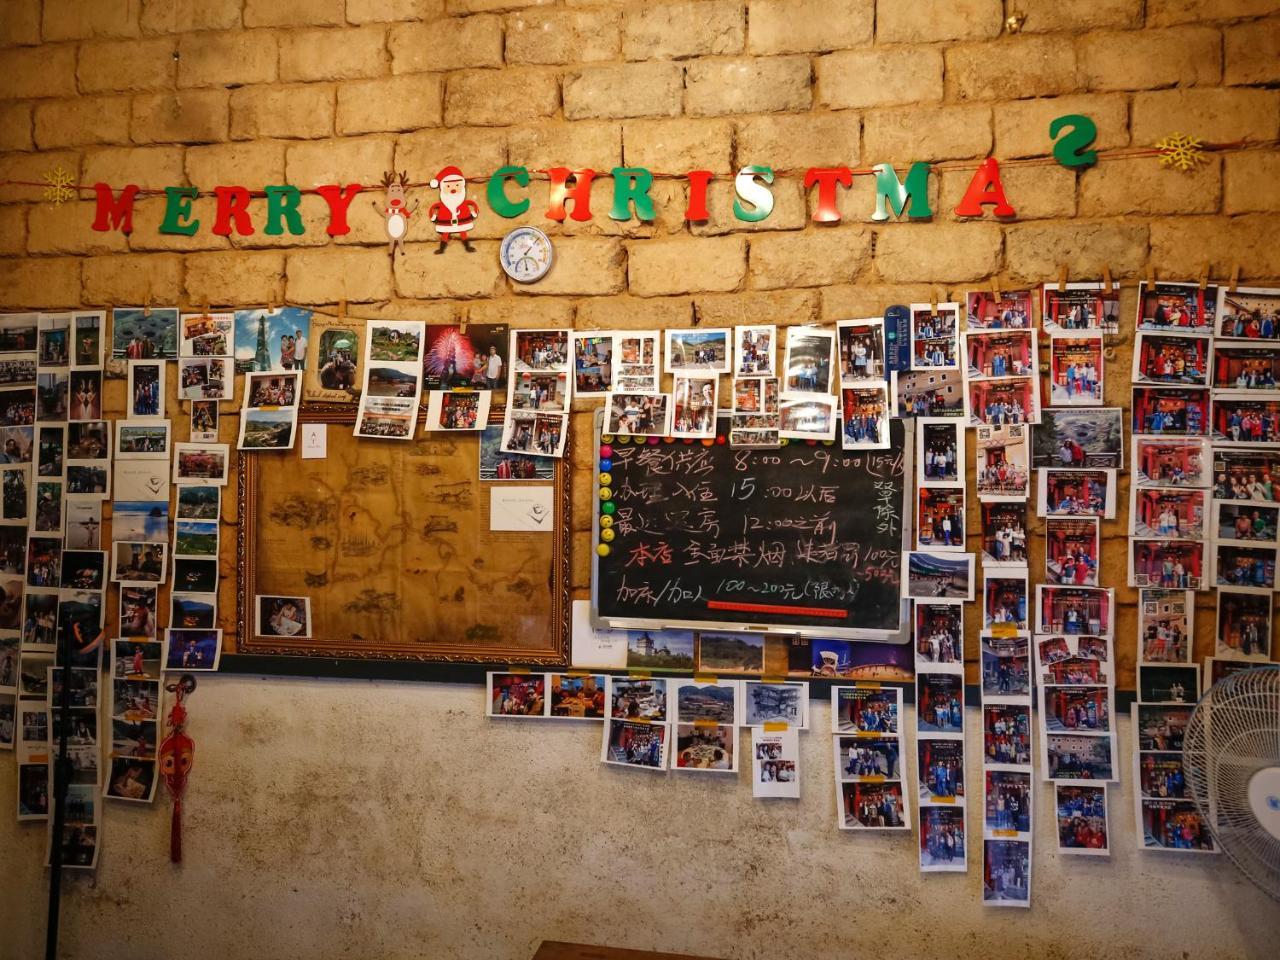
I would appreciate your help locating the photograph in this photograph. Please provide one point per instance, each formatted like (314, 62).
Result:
(14, 496)
(1245, 418)
(1000, 353)
(131, 778)
(1172, 358)
(1244, 474)
(547, 392)
(1006, 733)
(631, 743)
(146, 394)
(537, 434)
(192, 649)
(1245, 366)
(1162, 683)
(1176, 411)
(46, 507)
(865, 709)
(1001, 467)
(999, 310)
(86, 338)
(498, 465)
(536, 351)
(138, 563)
(145, 520)
(1075, 493)
(15, 445)
(1173, 825)
(206, 334)
(1219, 668)
(205, 378)
(660, 649)
(756, 396)
(1075, 371)
(942, 840)
(812, 417)
(138, 611)
(1244, 624)
(457, 410)
(270, 429)
(1082, 819)
(861, 349)
(1172, 462)
(940, 770)
(864, 418)
(1077, 708)
(1162, 776)
(1072, 550)
(935, 336)
(193, 610)
(1185, 307)
(398, 380)
(18, 408)
(1006, 666)
(940, 518)
(710, 700)
(635, 361)
(868, 757)
(694, 406)
(638, 414)
(1009, 400)
(592, 363)
(51, 450)
(718, 653)
(144, 333)
(191, 538)
(197, 501)
(282, 616)
(1171, 564)
(51, 394)
(938, 576)
(272, 389)
(202, 463)
(775, 764)
(928, 393)
(701, 350)
(84, 569)
(1081, 306)
(271, 340)
(472, 355)
(939, 633)
(1160, 726)
(1079, 438)
(807, 367)
(940, 454)
(84, 395)
(852, 660)
(18, 332)
(1243, 565)
(754, 350)
(92, 479)
(33, 791)
(337, 369)
(1165, 624)
(52, 345)
(1004, 600)
(774, 703)
(1074, 756)
(637, 698)
(135, 701)
(705, 747)
(577, 697)
(517, 694)
(44, 559)
(939, 703)
(18, 370)
(142, 439)
(1249, 313)
(872, 806)
(135, 739)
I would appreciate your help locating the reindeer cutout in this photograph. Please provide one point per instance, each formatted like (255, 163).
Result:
(396, 212)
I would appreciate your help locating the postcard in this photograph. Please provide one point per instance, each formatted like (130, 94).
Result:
(1166, 623)
(999, 309)
(755, 351)
(1171, 564)
(524, 508)
(940, 451)
(1081, 306)
(1178, 307)
(698, 350)
(775, 763)
(1249, 313)
(1079, 438)
(864, 417)
(1082, 819)
(635, 743)
(943, 843)
(861, 347)
(1171, 462)
(705, 748)
(935, 575)
(516, 694)
(928, 393)
(780, 702)
(535, 434)
(807, 368)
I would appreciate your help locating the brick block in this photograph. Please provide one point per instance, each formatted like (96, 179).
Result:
(1034, 251)
(132, 278)
(259, 163)
(31, 168)
(1180, 245)
(459, 8)
(16, 126)
(1252, 52)
(623, 90)
(673, 146)
(768, 85)
(931, 20)
(148, 214)
(64, 229)
(39, 282)
(584, 266)
(46, 71)
(191, 116)
(446, 45)
(540, 312)
(118, 65)
(678, 30)
(658, 268)
(1162, 13)
(583, 145)
(393, 11)
(1076, 16)
(634, 313)
(809, 26)
(811, 258)
(145, 166)
(184, 16)
(903, 136)
(768, 306)
(563, 36)
(422, 275)
(235, 278)
(334, 274)
(20, 24)
(882, 77)
(361, 160)
(850, 301)
(234, 58)
(1022, 126)
(441, 311)
(799, 142)
(669, 202)
(1147, 59)
(1036, 192)
(1216, 115)
(1251, 182)
(293, 13)
(937, 252)
(13, 230)
(424, 153)
(410, 102)
(790, 211)
(76, 20)
(300, 112)
(69, 123)
(981, 71)
(1142, 186)
(498, 98)
(352, 53)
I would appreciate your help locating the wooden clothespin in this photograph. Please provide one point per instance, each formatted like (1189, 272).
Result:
(146, 308)
(1235, 278)
(1062, 277)
(1151, 277)
(933, 302)
(342, 309)
(995, 288)
(1107, 284)
(206, 308)
(1204, 275)
(271, 306)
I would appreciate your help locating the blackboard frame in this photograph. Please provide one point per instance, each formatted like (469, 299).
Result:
(816, 630)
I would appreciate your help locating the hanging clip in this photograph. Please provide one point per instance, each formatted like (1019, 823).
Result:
(995, 288)
(342, 309)
(1107, 284)
(146, 309)
(1204, 275)
(933, 302)
(271, 306)
(1062, 278)
(1151, 277)
(1235, 278)
(206, 308)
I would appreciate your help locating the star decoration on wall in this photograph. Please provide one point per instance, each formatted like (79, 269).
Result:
(59, 189)
(1181, 151)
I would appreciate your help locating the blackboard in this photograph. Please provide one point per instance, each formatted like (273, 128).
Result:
(806, 539)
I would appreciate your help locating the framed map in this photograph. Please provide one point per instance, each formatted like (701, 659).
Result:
(391, 543)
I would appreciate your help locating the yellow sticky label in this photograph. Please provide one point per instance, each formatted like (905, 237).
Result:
(776, 726)
(867, 734)
(705, 677)
(773, 678)
(944, 799)
(705, 722)
(1004, 630)
(515, 669)
(867, 685)
(873, 778)
(577, 673)
(1005, 833)
(639, 674)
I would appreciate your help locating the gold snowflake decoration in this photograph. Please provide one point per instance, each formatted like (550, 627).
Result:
(59, 189)
(1181, 151)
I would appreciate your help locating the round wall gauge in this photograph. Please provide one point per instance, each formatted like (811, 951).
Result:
(526, 254)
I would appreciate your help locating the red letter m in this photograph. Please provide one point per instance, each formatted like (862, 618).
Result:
(114, 214)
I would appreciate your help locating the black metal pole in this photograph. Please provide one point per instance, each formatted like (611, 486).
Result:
(61, 778)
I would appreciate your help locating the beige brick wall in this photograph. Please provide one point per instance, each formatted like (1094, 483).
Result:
(214, 92)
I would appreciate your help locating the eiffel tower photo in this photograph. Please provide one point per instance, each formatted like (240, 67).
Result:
(262, 356)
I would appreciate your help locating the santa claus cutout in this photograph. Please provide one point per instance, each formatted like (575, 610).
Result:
(453, 215)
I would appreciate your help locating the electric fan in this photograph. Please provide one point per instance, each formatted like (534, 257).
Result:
(1231, 752)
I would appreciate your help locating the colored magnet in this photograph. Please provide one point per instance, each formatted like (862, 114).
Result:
(607, 534)
(606, 463)
(606, 493)
(608, 507)
(605, 479)
(603, 550)
(606, 521)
